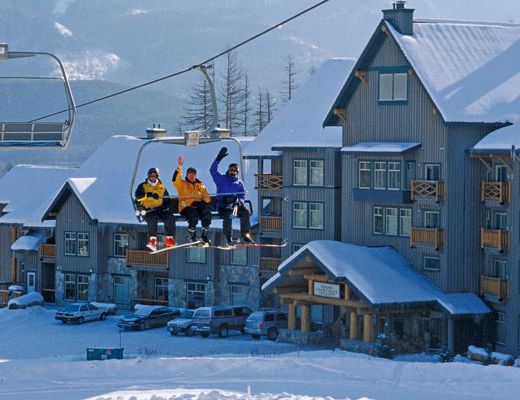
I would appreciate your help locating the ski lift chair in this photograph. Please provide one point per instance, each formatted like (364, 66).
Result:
(35, 134)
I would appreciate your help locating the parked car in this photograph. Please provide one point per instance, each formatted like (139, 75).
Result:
(80, 312)
(182, 324)
(146, 317)
(219, 320)
(266, 323)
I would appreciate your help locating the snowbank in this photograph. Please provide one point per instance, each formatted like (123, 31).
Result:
(110, 307)
(27, 300)
(494, 357)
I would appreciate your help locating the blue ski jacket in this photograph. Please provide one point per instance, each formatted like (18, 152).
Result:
(227, 184)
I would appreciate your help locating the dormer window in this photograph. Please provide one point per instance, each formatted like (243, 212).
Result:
(393, 86)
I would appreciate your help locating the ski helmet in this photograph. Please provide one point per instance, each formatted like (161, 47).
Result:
(153, 170)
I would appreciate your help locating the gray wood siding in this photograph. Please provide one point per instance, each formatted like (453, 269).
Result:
(5, 253)
(73, 218)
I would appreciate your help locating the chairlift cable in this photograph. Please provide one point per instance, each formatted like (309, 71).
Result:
(185, 70)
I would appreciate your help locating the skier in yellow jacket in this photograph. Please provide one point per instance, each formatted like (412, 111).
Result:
(149, 195)
(194, 200)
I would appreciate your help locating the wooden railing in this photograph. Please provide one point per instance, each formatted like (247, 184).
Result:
(47, 250)
(149, 301)
(269, 182)
(428, 190)
(269, 264)
(433, 236)
(494, 286)
(494, 238)
(495, 191)
(143, 257)
(271, 224)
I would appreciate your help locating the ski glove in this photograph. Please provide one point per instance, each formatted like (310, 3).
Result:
(222, 153)
(155, 196)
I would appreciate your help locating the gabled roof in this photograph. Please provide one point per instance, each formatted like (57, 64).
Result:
(102, 183)
(469, 69)
(299, 122)
(502, 141)
(380, 275)
(27, 189)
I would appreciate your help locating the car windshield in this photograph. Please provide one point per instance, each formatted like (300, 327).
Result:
(71, 307)
(187, 314)
(256, 316)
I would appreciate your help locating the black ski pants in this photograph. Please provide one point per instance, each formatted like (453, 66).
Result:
(242, 213)
(152, 220)
(198, 210)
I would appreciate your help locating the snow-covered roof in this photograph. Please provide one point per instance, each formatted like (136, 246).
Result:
(26, 189)
(102, 183)
(299, 122)
(380, 148)
(503, 140)
(380, 274)
(470, 69)
(31, 241)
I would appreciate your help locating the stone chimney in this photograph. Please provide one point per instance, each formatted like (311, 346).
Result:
(400, 17)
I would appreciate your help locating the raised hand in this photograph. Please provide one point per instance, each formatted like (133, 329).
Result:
(180, 161)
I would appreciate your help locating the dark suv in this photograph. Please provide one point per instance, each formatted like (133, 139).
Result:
(219, 320)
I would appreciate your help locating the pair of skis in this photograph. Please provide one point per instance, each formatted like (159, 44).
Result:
(234, 246)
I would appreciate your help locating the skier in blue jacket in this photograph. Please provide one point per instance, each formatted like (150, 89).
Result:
(231, 194)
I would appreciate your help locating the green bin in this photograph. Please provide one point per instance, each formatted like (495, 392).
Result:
(104, 353)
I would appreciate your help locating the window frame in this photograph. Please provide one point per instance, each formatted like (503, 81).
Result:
(83, 239)
(401, 221)
(310, 211)
(382, 219)
(161, 284)
(118, 242)
(304, 168)
(396, 221)
(360, 171)
(70, 240)
(391, 172)
(71, 283)
(432, 166)
(303, 211)
(387, 81)
(501, 325)
(82, 287)
(242, 293)
(311, 168)
(196, 288)
(426, 213)
(432, 258)
(382, 174)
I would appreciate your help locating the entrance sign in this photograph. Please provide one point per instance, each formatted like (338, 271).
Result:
(326, 290)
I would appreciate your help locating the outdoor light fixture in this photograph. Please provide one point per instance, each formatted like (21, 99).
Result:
(4, 51)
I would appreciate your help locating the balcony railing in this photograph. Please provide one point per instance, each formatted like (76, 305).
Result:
(498, 191)
(143, 257)
(269, 264)
(47, 250)
(271, 224)
(432, 236)
(494, 238)
(269, 182)
(428, 190)
(496, 287)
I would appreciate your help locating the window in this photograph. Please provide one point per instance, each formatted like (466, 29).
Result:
(239, 257)
(238, 295)
(501, 173)
(500, 327)
(299, 214)
(364, 175)
(379, 175)
(161, 288)
(394, 175)
(316, 215)
(83, 244)
(501, 221)
(70, 244)
(431, 263)
(405, 221)
(432, 172)
(316, 172)
(500, 269)
(196, 255)
(308, 172)
(195, 294)
(300, 172)
(391, 221)
(378, 220)
(410, 174)
(431, 219)
(307, 215)
(82, 284)
(70, 287)
(393, 87)
(120, 244)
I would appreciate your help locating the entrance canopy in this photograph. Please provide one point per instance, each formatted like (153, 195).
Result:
(379, 276)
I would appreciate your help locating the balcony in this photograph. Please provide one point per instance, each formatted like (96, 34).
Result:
(269, 182)
(271, 224)
(428, 236)
(47, 250)
(143, 257)
(269, 264)
(435, 190)
(494, 287)
(495, 191)
(495, 239)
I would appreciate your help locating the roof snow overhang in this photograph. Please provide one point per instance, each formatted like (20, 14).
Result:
(381, 148)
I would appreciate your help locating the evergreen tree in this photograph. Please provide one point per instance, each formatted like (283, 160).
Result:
(199, 111)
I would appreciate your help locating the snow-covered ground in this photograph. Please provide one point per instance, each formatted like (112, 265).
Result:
(41, 358)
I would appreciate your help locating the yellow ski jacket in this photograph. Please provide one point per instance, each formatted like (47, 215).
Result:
(189, 192)
(150, 196)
